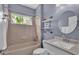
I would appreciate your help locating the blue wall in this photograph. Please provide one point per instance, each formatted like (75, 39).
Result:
(38, 11)
(52, 10)
(17, 8)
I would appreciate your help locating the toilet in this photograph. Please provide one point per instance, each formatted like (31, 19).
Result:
(40, 51)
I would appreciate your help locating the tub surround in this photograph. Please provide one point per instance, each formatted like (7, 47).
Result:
(21, 40)
(23, 49)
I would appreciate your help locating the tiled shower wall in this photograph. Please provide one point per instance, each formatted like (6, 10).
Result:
(18, 34)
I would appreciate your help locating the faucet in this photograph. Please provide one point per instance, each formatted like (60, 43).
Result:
(65, 39)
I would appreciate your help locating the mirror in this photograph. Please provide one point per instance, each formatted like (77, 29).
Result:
(67, 22)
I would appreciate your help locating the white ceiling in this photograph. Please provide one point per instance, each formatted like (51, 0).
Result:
(33, 6)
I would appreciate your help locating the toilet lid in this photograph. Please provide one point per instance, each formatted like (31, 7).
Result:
(39, 51)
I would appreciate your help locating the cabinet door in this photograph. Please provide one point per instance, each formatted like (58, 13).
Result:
(53, 50)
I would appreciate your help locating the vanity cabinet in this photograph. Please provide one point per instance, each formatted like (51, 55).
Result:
(54, 50)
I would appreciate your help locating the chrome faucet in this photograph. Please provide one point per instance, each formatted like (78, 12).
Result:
(66, 40)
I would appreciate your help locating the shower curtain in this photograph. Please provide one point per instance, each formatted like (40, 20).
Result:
(3, 26)
(3, 33)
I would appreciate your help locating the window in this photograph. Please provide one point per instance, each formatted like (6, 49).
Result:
(21, 19)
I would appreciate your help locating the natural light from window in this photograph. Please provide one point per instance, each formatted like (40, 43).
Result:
(21, 19)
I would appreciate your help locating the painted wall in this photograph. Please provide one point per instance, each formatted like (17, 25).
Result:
(58, 12)
(52, 10)
(48, 10)
(17, 8)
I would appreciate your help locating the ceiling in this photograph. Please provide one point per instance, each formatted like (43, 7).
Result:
(33, 6)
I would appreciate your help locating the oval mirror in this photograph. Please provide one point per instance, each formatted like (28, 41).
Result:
(67, 22)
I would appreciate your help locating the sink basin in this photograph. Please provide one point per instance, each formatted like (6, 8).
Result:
(63, 44)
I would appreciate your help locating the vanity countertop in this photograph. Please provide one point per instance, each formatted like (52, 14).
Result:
(73, 49)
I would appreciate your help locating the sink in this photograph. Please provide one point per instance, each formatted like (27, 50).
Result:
(63, 44)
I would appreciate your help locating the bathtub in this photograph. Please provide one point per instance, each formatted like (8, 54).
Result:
(22, 49)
